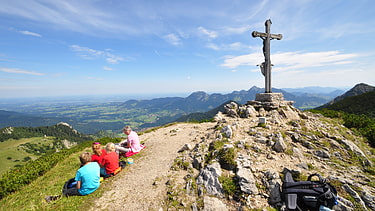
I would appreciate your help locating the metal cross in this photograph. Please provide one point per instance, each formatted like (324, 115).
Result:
(266, 65)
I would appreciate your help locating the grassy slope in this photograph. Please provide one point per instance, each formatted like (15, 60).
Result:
(360, 104)
(32, 196)
(8, 149)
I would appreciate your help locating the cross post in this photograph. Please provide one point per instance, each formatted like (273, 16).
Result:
(266, 65)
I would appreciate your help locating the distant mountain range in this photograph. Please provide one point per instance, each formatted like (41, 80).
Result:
(91, 118)
(202, 101)
(317, 90)
(358, 100)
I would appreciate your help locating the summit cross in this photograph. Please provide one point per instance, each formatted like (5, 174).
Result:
(266, 65)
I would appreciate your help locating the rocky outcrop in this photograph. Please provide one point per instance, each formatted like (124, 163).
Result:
(246, 180)
(8, 130)
(209, 177)
(257, 154)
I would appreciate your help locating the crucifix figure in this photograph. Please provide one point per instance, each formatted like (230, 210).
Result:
(265, 67)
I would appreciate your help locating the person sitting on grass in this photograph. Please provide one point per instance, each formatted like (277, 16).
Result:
(98, 152)
(110, 161)
(132, 142)
(87, 177)
(86, 181)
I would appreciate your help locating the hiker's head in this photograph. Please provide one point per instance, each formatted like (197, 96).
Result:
(110, 147)
(97, 148)
(127, 130)
(85, 158)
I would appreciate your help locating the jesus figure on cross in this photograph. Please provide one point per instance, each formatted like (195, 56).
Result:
(266, 65)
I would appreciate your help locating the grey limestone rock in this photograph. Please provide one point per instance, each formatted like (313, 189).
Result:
(227, 130)
(354, 194)
(279, 145)
(209, 177)
(213, 204)
(246, 180)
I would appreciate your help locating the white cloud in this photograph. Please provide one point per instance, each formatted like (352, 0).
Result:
(236, 46)
(30, 33)
(291, 60)
(238, 30)
(213, 46)
(236, 61)
(107, 68)
(325, 77)
(173, 39)
(88, 53)
(206, 32)
(296, 60)
(19, 71)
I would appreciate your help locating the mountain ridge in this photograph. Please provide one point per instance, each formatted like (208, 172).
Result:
(358, 89)
(141, 114)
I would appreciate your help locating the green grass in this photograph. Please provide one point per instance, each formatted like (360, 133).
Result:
(31, 197)
(10, 155)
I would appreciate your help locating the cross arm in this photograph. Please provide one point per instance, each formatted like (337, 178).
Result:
(262, 34)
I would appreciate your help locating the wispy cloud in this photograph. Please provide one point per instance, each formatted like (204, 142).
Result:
(79, 16)
(30, 33)
(173, 39)
(291, 60)
(107, 68)
(19, 71)
(242, 60)
(231, 46)
(213, 46)
(206, 32)
(88, 53)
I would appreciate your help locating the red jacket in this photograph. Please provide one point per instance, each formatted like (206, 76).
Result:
(110, 162)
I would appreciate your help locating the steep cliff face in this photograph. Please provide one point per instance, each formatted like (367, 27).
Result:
(238, 164)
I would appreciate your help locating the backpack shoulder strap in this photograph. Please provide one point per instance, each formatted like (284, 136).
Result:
(321, 179)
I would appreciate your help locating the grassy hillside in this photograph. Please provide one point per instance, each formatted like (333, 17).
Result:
(360, 104)
(61, 131)
(10, 118)
(15, 153)
(32, 196)
(54, 170)
(22, 144)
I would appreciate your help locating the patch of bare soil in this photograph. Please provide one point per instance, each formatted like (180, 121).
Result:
(134, 188)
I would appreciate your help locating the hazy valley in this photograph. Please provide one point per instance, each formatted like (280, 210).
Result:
(89, 116)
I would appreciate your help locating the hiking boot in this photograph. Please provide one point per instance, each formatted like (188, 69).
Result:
(51, 198)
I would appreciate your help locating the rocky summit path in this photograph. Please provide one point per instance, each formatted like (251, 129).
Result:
(134, 188)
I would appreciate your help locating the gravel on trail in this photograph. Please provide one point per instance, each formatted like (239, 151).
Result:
(134, 188)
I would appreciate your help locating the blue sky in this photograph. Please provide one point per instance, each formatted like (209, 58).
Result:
(102, 47)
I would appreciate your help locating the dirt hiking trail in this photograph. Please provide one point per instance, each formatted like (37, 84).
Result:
(134, 188)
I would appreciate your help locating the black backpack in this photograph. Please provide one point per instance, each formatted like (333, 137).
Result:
(308, 195)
